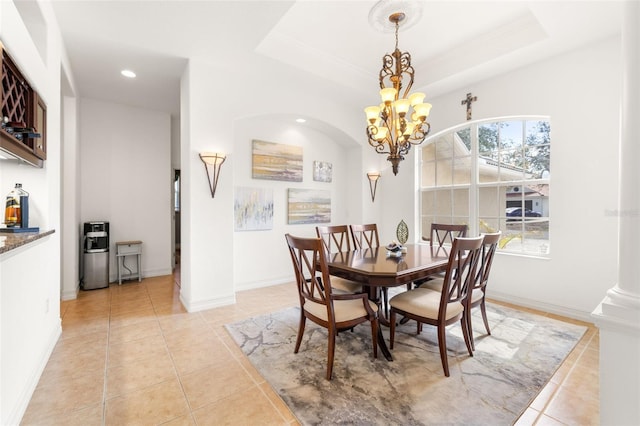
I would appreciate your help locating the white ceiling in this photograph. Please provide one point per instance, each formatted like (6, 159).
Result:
(452, 43)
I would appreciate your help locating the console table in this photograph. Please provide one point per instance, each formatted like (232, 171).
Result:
(129, 248)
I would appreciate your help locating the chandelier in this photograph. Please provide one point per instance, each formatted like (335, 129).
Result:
(399, 121)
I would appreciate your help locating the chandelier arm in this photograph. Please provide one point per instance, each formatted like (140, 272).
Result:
(420, 133)
(386, 72)
(404, 150)
(380, 147)
(406, 68)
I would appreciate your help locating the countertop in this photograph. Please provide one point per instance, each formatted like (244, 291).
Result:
(9, 241)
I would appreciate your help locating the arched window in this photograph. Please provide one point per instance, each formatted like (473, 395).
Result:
(491, 175)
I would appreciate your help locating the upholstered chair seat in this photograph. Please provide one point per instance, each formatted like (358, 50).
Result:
(425, 303)
(344, 310)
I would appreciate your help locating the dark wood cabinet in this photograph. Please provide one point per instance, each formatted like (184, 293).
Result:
(24, 116)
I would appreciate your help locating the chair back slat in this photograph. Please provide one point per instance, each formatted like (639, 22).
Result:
(461, 271)
(334, 238)
(307, 254)
(444, 233)
(489, 246)
(365, 236)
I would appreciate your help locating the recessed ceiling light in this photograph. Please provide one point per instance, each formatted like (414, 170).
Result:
(301, 120)
(128, 73)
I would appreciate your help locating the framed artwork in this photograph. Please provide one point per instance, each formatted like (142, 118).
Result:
(253, 209)
(322, 171)
(309, 206)
(274, 161)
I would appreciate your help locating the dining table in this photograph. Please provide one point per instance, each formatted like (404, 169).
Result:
(378, 267)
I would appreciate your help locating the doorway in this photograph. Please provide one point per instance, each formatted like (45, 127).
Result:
(176, 218)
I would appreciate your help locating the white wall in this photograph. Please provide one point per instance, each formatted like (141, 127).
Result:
(254, 265)
(70, 182)
(580, 92)
(125, 178)
(210, 258)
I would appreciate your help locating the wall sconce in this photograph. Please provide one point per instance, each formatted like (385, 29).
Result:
(212, 161)
(373, 183)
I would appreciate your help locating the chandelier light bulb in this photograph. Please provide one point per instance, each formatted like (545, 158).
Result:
(373, 114)
(417, 98)
(402, 106)
(388, 95)
(381, 134)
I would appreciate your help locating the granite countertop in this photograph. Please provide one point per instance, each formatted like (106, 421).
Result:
(10, 241)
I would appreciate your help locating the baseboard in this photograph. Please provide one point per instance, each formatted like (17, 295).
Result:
(260, 284)
(22, 403)
(71, 294)
(207, 304)
(541, 306)
(156, 272)
(145, 274)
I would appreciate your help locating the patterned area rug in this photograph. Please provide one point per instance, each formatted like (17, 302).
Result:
(508, 369)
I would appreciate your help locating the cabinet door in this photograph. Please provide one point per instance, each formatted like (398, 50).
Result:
(40, 124)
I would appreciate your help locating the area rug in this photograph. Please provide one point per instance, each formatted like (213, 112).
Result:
(494, 387)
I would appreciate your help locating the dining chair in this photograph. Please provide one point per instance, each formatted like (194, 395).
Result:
(366, 236)
(478, 290)
(442, 233)
(318, 302)
(335, 239)
(441, 309)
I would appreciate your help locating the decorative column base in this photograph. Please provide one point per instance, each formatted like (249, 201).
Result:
(618, 318)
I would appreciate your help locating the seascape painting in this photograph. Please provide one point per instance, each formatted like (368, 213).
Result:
(322, 171)
(253, 209)
(274, 161)
(309, 206)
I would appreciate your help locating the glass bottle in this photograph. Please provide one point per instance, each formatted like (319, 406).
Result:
(12, 214)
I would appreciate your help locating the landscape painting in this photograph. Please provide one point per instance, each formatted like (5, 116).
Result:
(253, 209)
(274, 161)
(309, 206)
(322, 171)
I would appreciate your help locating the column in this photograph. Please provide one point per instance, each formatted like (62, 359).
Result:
(618, 315)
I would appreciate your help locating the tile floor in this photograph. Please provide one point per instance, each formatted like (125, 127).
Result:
(131, 354)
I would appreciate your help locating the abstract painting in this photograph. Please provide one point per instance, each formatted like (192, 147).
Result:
(253, 209)
(309, 206)
(274, 161)
(322, 171)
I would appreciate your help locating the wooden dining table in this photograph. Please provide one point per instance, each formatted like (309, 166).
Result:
(375, 268)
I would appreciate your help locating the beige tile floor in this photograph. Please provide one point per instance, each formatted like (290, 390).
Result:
(131, 354)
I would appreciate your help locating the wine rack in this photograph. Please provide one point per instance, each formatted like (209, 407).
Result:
(24, 116)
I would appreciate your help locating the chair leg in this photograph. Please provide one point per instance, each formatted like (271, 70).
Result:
(331, 352)
(392, 328)
(374, 336)
(385, 300)
(303, 320)
(483, 309)
(464, 323)
(470, 330)
(442, 344)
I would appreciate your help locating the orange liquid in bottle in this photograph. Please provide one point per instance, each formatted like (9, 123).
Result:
(12, 213)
